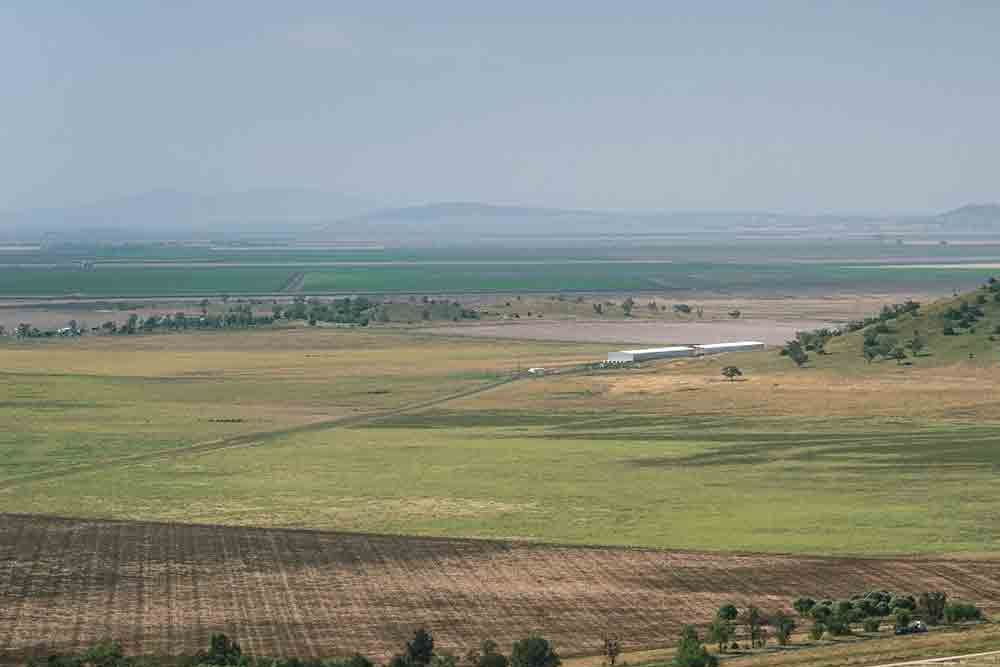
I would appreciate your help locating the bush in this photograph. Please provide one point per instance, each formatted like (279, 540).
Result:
(817, 630)
(959, 611)
(871, 625)
(691, 652)
(949, 331)
(534, 651)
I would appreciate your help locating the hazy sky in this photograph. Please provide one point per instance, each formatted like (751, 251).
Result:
(795, 106)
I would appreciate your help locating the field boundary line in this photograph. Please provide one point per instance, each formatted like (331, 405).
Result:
(254, 439)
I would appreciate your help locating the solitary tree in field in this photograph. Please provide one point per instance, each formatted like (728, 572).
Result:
(732, 372)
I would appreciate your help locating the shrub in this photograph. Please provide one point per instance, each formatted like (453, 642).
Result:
(871, 625)
(817, 630)
(691, 652)
(534, 651)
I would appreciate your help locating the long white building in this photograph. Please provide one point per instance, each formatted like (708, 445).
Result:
(627, 356)
(650, 353)
(739, 346)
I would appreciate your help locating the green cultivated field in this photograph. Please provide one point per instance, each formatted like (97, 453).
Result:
(775, 268)
(115, 281)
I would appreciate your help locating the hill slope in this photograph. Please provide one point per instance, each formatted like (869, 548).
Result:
(961, 328)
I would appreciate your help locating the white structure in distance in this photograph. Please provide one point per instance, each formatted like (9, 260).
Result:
(647, 354)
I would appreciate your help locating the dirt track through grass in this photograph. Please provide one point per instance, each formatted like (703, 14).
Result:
(164, 588)
(250, 439)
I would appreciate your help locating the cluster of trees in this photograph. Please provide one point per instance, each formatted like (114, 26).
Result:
(887, 313)
(876, 344)
(805, 342)
(532, 651)
(754, 622)
(964, 316)
(796, 351)
(872, 608)
(340, 311)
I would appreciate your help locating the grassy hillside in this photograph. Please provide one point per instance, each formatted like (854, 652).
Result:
(964, 328)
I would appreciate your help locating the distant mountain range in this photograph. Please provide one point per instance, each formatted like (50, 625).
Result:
(973, 217)
(314, 215)
(169, 214)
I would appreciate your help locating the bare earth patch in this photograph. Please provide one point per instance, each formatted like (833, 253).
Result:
(164, 588)
(642, 332)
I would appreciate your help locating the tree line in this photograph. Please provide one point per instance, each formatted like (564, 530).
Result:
(420, 651)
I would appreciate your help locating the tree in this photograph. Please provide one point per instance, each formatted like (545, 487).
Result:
(728, 612)
(732, 372)
(534, 651)
(627, 306)
(612, 648)
(817, 630)
(598, 308)
(795, 352)
(820, 612)
(916, 344)
(222, 651)
(899, 354)
(803, 605)
(691, 652)
(420, 649)
(784, 626)
(720, 632)
(903, 618)
(753, 619)
(932, 606)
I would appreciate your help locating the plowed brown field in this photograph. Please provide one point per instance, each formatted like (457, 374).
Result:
(163, 588)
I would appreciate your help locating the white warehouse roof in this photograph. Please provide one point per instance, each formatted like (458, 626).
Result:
(660, 350)
(740, 346)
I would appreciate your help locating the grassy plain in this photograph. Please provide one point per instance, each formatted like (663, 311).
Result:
(87, 401)
(839, 457)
